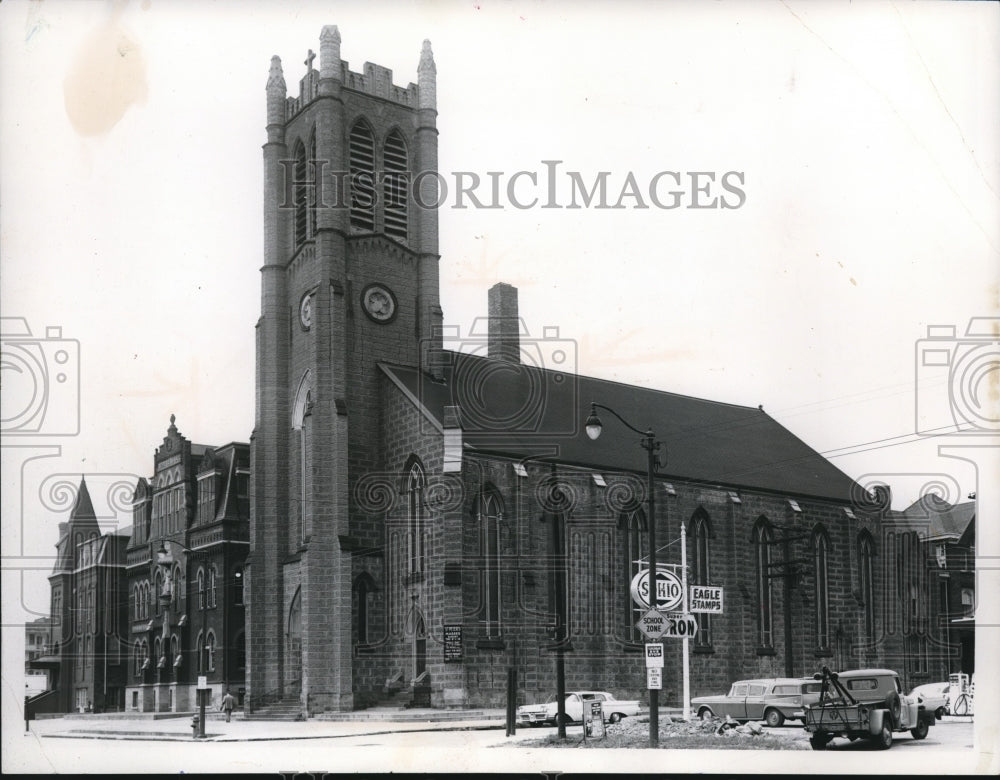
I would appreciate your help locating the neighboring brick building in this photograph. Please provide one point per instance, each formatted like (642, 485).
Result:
(85, 656)
(37, 637)
(403, 493)
(184, 595)
(935, 635)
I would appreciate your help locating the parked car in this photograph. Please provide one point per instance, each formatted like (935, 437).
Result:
(864, 704)
(772, 700)
(612, 709)
(934, 697)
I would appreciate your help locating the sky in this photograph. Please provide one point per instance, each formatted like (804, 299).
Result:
(860, 143)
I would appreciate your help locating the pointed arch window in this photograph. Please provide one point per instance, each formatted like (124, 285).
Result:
(395, 186)
(201, 588)
(635, 549)
(821, 590)
(302, 423)
(763, 536)
(866, 575)
(158, 580)
(199, 648)
(490, 517)
(212, 579)
(313, 186)
(701, 532)
(210, 651)
(416, 524)
(362, 165)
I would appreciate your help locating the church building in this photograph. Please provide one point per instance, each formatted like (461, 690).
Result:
(425, 518)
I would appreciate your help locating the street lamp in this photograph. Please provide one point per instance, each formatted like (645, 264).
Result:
(163, 558)
(648, 442)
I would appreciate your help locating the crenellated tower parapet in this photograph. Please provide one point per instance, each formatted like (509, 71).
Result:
(374, 80)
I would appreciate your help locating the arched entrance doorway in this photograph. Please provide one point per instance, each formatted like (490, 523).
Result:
(293, 658)
(421, 677)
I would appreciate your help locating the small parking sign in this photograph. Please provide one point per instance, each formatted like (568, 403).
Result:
(654, 678)
(654, 655)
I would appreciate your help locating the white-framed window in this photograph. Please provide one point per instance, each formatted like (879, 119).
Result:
(490, 517)
(821, 590)
(763, 535)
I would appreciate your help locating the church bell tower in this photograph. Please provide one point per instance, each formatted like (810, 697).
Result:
(349, 280)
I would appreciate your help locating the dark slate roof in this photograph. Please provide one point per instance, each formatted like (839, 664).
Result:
(83, 507)
(934, 518)
(82, 524)
(521, 411)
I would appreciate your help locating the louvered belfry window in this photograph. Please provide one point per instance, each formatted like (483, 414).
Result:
(362, 158)
(395, 186)
(300, 196)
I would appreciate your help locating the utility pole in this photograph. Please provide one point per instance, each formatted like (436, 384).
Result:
(787, 570)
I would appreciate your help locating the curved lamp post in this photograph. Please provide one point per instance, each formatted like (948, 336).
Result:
(594, 427)
(165, 559)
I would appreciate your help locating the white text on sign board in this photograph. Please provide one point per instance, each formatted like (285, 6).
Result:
(654, 655)
(706, 599)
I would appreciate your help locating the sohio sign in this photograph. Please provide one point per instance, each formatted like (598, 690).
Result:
(669, 590)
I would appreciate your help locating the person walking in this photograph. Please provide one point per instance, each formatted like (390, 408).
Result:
(228, 703)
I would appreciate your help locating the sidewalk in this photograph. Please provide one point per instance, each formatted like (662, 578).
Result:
(131, 727)
(156, 727)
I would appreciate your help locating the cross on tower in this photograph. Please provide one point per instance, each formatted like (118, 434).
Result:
(309, 60)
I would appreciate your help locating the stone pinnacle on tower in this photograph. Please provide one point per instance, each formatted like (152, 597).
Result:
(276, 92)
(427, 77)
(329, 52)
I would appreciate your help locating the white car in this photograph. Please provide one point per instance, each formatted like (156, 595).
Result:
(933, 697)
(612, 709)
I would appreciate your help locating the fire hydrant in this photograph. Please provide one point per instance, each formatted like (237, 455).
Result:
(194, 727)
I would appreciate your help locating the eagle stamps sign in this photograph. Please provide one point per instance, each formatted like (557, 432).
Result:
(705, 598)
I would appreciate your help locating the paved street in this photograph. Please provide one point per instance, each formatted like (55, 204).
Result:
(69, 745)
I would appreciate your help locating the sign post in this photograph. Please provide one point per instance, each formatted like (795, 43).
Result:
(202, 694)
(684, 648)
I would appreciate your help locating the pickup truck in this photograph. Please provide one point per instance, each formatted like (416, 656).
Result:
(864, 703)
(545, 714)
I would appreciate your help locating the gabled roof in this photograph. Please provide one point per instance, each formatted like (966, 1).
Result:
(228, 459)
(935, 519)
(523, 411)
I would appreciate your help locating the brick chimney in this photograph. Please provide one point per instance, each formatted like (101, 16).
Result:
(504, 324)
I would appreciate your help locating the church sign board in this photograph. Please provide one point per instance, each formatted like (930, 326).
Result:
(706, 599)
(452, 644)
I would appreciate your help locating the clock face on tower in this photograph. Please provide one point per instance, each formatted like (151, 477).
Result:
(306, 311)
(379, 303)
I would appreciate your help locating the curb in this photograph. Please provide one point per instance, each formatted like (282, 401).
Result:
(172, 736)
